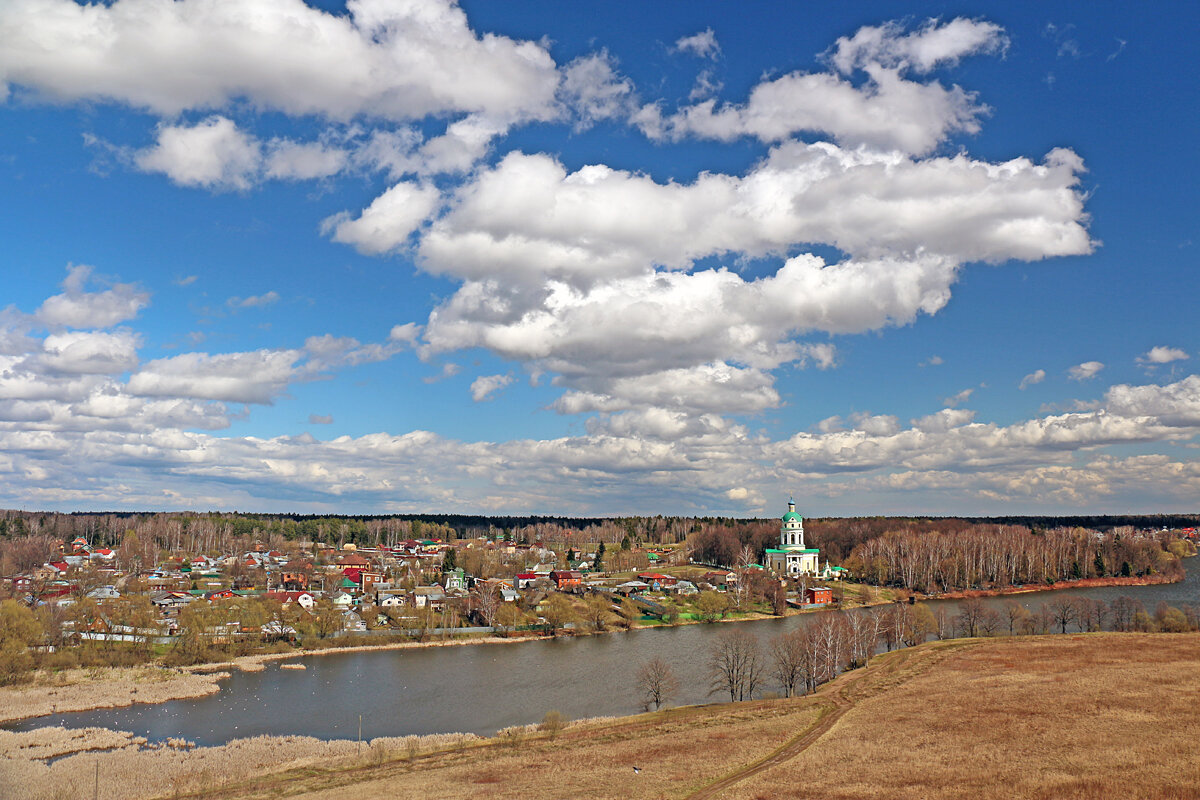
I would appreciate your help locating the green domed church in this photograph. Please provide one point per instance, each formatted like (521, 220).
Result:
(792, 557)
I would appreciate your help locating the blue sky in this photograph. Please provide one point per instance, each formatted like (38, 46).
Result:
(599, 258)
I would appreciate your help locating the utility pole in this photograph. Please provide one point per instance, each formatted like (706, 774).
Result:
(96, 790)
(359, 736)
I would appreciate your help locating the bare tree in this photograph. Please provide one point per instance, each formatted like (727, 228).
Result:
(711, 605)
(1090, 614)
(656, 682)
(921, 624)
(1063, 612)
(489, 603)
(735, 665)
(1014, 612)
(742, 588)
(970, 614)
(829, 646)
(862, 635)
(1124, 608)
(597, 611)
(558, 613)
(792, 660)
(941, 621)
(990, 621)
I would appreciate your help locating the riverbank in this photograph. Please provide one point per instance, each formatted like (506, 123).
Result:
(944, 720)
(1082, 583)
(95, 688)
(64, 691)
(102, 688)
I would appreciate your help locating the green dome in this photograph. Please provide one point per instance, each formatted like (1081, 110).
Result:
(792, 516)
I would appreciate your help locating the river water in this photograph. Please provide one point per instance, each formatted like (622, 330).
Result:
(476, 688)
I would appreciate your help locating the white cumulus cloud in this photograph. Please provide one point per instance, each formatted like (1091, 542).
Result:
(1085, 371)
(386, 224)
(396, 60)
(212, 154)
(485, 386)
(703, 44)
(78, 308)
(1162, 355)
(1037, 376)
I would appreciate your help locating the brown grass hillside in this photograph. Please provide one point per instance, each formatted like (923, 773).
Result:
(1089, 716)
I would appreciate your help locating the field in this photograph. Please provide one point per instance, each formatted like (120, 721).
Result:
(1086, 716)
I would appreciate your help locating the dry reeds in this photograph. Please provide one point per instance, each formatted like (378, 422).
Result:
(109, 687)
(139, 771)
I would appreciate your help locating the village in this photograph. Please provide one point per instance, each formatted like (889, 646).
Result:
(307, 592)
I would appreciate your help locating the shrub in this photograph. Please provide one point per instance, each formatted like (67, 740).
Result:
(553, 722)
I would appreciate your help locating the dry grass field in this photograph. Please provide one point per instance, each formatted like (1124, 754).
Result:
(1095, 716)
(1087, 716)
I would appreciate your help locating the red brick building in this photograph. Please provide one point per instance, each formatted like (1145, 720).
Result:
(565, 579)
(818, 595)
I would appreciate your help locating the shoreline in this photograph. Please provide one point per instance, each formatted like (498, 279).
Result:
(1031, 588)
(85, 690)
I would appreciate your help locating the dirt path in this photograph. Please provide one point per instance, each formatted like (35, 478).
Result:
(859, 685)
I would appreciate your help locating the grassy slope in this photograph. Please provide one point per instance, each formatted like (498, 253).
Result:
(1101, 715)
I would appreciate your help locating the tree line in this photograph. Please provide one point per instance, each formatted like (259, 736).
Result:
(998, 556)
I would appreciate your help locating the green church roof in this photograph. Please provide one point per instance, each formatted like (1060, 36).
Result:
(792, 516)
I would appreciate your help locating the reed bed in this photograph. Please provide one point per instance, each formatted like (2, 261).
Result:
(107, 687)
(174, 768)
(46, 743)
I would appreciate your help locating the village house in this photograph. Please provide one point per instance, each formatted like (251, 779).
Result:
(103, 555)
(721, 581)
(303, 599)
(566, 580)
(391, 598)
(295, 575)
(368, 579)
(353, 561)
(432, 596)
(657, 581)
(454, 580)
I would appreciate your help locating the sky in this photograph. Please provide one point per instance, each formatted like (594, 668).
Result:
(599, 258)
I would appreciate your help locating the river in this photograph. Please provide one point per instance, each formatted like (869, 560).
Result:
(476, 688)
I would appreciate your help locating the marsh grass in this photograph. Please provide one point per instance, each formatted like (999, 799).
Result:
(175, 769)
(108, 687)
